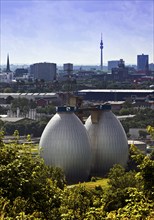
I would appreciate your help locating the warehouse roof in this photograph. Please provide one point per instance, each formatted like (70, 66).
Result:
(16, 95)
(118, 90)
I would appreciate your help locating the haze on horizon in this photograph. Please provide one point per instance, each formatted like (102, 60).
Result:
(70, 31)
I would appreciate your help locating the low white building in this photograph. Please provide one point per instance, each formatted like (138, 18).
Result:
(135, 132)
(6, 77)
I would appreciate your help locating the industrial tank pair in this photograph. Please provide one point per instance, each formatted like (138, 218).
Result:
(84, 150)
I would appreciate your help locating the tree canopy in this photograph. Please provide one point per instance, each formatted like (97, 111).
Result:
(31, 190)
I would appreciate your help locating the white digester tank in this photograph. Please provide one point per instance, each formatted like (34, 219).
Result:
(65, 143)
(108, 140)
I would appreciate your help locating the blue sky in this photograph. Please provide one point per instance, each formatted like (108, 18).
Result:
(62, 31)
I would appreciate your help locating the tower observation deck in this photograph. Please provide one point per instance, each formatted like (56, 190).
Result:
(101, 47)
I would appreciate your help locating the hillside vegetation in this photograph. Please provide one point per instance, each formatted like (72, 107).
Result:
(31, 190)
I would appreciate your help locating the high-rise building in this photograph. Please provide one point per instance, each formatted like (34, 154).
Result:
(45, 71)
(120, 73)
(142, 62)
(68, 68)
(112, 64)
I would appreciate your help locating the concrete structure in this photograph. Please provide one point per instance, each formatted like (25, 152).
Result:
(11, 119)
(120, 73)
(65, 143)
(108, 140)
(134, 132)
(6, 77)
(115, 94)
(124, 117)
(34, 96)
(68, 69)
(142, 62)
(116, 105)
(151, 66)
(112, 64)
(41, 99)
(45, 71)
(19, 72)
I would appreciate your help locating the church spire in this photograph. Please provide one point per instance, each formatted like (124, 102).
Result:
(8, 64)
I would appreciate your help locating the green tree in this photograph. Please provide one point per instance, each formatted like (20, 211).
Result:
(7, 90)
(1, 125)
(117, 192)
(150, 130)
(142, 134)
(26, 179)
(75, 203)
(22, 104)
(126, 111)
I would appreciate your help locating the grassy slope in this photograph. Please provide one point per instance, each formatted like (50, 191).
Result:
(91, 185)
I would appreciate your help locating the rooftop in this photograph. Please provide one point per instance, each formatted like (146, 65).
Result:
(118, 90)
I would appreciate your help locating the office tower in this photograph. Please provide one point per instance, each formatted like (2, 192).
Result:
(112, 64)
(142, 62)
(45, 71)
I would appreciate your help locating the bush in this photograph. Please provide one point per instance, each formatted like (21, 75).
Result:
(93, 179)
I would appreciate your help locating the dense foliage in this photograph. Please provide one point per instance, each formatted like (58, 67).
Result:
(24, 105)
(31, 190)
(25, 126)
(26, 184)
(97, 81)
(142, 119)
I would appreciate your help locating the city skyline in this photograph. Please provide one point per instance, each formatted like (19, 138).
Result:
(70, 31)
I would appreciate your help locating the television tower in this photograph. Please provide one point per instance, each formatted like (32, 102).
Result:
(101, 47)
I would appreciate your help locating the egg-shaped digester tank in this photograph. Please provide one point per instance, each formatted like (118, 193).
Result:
(65, 143)
(108, 140)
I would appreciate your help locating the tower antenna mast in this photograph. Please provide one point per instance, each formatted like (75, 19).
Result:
(101, 47)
